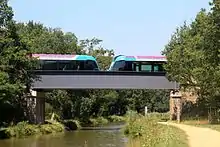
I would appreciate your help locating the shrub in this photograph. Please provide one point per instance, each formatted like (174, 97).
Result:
(51, 128)
(98, 121)
(159, 116)
(23, 129)
(115, 118)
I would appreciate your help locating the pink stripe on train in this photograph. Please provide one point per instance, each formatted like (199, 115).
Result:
(54, 56)
(151, 57)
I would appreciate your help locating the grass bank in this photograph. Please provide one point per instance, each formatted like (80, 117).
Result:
(149, 133)
(23, 129)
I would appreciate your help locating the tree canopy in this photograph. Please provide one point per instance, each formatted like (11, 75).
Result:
(193, 54)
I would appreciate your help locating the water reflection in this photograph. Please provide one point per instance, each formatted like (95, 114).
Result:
(81, 138)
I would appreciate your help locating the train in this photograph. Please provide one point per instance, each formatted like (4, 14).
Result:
(87, 62)
(138, 63)
(66, 62)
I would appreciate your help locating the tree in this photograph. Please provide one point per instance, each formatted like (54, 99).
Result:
(41, 39)
(193, 55)
(14, 61)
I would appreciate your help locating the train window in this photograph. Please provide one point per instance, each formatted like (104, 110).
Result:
(49, 65)
(67, 65)
(119, 65)
(156, 68)
(145, 67)
(136, 66)
(90, 65)
(128, 66)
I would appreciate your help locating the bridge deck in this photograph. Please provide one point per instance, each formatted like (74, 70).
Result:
(101, 80)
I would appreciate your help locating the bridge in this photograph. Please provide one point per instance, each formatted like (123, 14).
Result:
(56, 79)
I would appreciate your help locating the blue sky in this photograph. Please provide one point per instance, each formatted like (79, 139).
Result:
(130, 27)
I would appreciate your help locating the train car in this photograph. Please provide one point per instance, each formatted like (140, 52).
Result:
(138, 63)
(66, 62)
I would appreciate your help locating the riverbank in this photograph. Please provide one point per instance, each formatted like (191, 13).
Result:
(24, 129)
(150, 133)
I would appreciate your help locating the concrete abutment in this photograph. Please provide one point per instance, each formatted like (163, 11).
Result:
(36, 107)
(175, 105)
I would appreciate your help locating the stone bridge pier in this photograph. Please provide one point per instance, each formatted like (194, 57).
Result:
(36, 107)
(175, 105)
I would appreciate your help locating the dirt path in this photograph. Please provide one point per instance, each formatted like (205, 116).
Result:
(199, 137)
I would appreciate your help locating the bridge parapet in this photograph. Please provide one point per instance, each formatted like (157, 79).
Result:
(102, 80)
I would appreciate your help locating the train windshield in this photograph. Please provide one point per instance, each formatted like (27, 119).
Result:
(68, 65)
(118, 66)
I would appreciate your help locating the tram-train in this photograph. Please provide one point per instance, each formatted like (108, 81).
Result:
(138, 63)
(86, 62)
(66, 62)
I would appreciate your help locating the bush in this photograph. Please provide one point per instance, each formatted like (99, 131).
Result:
(23, 129)
(159, 116)
(115, 118)
(98, 121)
(72, 124)
(51, 128)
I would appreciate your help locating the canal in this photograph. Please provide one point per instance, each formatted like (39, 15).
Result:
(105, 136)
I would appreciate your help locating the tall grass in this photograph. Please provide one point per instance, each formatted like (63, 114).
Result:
(149, 133)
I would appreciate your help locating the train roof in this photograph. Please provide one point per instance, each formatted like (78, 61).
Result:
(140, 58)
(63, 57)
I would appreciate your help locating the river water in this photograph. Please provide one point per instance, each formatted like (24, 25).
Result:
(107, 136)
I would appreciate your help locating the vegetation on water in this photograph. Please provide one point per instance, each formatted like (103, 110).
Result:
(23, 129)
(148, 133)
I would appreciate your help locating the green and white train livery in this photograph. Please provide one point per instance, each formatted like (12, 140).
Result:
(66, 62)
(138, 63)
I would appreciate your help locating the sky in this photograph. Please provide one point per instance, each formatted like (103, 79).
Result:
(129, 27)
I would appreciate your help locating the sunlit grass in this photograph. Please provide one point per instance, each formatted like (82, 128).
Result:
(152, 134)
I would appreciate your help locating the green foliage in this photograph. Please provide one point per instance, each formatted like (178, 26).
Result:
(23, 129)
(98, 121)
(159, 116)
(115, 118)
(51, 128)
(41, 39)
(14, 64)
(151, 134)
(6, 13)
(193, 55)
